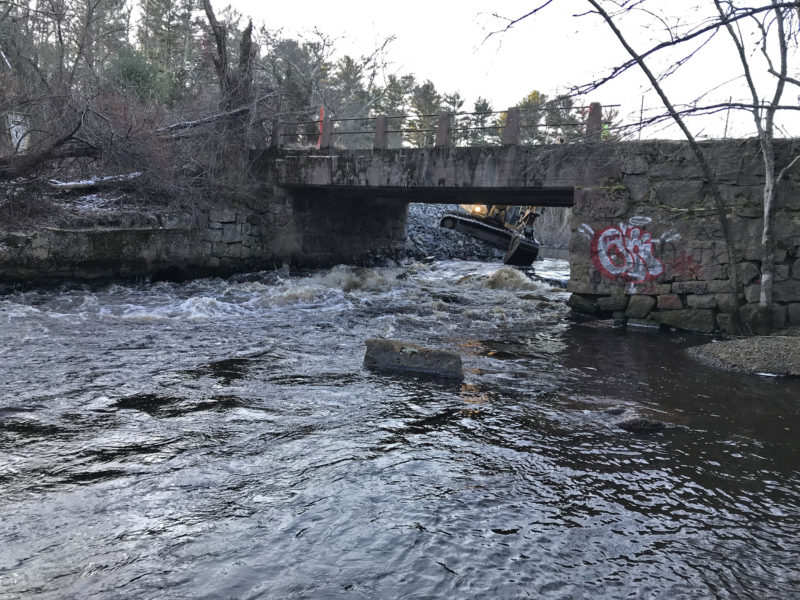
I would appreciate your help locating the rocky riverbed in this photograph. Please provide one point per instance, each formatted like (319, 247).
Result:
(426, 238)
(773, 355)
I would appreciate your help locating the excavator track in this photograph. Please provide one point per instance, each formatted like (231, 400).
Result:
(520, 252)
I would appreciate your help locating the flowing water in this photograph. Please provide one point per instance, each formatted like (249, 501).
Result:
(221, 439)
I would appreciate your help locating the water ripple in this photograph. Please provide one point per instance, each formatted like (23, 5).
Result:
(221, 438)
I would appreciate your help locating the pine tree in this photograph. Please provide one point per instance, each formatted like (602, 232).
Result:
(563, 121)
(425, 103)
(395, 101)
(481, 119)
(453, 104)
(166, 34)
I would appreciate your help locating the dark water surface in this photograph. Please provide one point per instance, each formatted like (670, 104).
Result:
(220, 439)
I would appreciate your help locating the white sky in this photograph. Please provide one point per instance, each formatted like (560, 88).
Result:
(447, 43)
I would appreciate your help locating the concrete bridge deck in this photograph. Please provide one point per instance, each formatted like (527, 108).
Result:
(512, 196)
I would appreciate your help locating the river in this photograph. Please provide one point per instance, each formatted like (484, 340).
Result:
(221, 439)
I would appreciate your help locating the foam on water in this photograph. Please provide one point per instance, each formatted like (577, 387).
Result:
(510, 279)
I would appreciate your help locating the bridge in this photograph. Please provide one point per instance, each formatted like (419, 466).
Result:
(374, 186)
(646, 241)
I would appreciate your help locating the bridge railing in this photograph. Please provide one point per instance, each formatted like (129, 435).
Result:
(441, 130)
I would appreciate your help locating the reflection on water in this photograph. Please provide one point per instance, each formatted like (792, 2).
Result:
(221, 439)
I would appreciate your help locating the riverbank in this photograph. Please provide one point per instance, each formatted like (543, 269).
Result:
(773, 355)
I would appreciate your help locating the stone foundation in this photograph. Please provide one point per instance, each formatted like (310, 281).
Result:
(216, 242)
(647, 245)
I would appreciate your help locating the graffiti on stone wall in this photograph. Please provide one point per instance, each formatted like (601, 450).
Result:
(625, 252)
(686, 267)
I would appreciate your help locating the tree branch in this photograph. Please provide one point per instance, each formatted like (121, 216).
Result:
(701, 159)
(214, 118)
(786, 78)
(745, 67)
(674, 41)
(786, 169)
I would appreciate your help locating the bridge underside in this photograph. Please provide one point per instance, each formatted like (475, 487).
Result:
(511, 196)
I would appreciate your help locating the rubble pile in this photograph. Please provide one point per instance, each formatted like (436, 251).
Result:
(426, 238)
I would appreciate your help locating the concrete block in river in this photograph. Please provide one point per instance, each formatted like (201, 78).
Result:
(641, 424)
(397, 355)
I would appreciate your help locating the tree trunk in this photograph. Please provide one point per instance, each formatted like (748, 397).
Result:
(767, 233)
(734, 322)
(219, 32)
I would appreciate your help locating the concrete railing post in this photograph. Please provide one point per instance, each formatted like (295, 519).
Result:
(381, 141)
(594, 122)
(326, 133)
(443, 130)
(512, 129)
(276, 138)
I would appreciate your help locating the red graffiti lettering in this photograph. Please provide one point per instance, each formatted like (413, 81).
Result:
(686, 267)
(625, 253)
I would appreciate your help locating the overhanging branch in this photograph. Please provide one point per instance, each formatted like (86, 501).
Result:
(217, 117)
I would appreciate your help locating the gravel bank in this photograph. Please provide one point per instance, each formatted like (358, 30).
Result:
(775, 354)
(426, 238)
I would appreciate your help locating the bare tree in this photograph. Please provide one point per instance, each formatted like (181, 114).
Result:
(770, 19)
(235, 85)
(772, 28)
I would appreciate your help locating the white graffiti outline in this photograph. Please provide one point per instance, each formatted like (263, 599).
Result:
(586, 231)
(669, 236)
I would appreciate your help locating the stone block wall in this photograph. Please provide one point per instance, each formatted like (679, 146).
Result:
(647, 246)
(233, 240)
(89, 253)
(646, 242)
(217, 242)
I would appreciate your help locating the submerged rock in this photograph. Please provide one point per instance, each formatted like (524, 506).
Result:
(640, 424)
(397, 355)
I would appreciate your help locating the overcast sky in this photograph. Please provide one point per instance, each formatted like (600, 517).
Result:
(447, 43)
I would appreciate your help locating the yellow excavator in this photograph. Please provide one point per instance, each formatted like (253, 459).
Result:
(508, 228)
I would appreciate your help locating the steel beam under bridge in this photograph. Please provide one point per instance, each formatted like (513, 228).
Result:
(511, 196)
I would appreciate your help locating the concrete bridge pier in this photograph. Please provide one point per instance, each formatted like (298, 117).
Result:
(320, 231)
